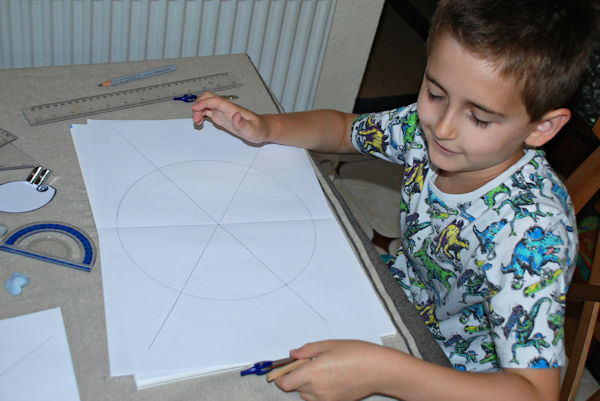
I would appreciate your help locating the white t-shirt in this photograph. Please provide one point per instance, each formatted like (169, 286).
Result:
(487, 270)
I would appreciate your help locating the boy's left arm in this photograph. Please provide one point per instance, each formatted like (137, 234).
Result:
(351, 370)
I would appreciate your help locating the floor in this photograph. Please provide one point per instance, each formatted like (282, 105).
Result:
(371, 186)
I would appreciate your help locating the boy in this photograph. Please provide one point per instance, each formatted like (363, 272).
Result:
(490, 234)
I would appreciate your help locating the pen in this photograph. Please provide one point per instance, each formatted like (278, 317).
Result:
(283, 367)
(139, 75)
(192, 98)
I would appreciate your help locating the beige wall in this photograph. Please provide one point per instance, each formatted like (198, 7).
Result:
(350, 39)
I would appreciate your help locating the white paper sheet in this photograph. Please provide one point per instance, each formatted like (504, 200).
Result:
(35, 362)
(215, 253)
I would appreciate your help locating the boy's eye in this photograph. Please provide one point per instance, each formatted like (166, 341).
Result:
(433, 96)
(478, 122)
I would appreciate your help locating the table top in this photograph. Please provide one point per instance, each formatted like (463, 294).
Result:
(79, 294)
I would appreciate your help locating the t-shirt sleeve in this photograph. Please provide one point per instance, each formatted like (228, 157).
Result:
(388, 135)
(528, 276)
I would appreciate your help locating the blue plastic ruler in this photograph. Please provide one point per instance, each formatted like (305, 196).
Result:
(102, 103)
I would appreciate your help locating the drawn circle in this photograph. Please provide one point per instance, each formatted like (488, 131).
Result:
(202, 230)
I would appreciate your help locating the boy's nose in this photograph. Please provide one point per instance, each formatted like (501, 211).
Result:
(446, 126)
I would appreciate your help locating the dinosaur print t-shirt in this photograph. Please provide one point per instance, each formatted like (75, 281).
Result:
(487, 270)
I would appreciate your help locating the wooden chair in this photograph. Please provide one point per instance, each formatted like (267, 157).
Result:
(582, 185)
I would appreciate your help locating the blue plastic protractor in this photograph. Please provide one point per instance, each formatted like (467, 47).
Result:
(52, 242)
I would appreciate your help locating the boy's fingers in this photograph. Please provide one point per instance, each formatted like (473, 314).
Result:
(310, 350)
(238, 121)
(206, 95)
(207, 100)
(292, 381)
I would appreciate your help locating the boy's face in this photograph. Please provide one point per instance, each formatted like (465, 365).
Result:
(474, 120)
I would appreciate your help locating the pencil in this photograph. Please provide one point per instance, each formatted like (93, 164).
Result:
(139, 75)
(285, 369)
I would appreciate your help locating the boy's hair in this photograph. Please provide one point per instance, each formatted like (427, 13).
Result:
(543, 44)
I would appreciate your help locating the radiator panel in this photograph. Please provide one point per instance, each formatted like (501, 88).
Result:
(285, 39)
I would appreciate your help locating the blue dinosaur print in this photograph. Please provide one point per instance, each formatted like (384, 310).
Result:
(462, 209)
(487, 236)
(523, 324)
(532, 253)
(518, 205)
(483, 314)
(561, 193)
(542, 363)
(538, 183)
(461, 347)
(441, 212)
(474, 284)
(413, 226)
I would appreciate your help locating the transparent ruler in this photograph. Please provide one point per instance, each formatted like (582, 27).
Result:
(102, 103)
(11, 157)
(6, 137)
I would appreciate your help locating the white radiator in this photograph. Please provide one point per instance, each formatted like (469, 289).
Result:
(285, 39)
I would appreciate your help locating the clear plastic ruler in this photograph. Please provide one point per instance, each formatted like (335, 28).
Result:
(11, 157)
(101, 103)
(6, 137)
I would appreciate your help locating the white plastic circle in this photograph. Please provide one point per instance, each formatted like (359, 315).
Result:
(22, 196)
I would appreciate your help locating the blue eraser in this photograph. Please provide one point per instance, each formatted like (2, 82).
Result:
(16, 282)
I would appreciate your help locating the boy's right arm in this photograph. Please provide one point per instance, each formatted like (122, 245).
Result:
(320, 130)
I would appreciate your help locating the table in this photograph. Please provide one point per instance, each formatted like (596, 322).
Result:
(79, 294)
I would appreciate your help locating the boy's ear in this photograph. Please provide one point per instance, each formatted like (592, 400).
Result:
(548, 126)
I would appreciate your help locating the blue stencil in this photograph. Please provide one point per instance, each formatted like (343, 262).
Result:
(79, 252)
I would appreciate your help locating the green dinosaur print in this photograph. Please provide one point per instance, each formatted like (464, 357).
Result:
(490, 198)
(434, 271)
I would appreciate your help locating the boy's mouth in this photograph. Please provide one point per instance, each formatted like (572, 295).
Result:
(442, 148)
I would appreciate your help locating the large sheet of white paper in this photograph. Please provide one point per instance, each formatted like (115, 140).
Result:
(35, 362)
(215, 253)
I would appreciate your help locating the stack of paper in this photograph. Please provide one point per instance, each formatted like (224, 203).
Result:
(215, 253)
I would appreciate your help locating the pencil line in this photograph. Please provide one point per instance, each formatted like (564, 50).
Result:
(252, 253)
(160, 170)
(238, 186)
(27, 355)
(182, 288)
(286, 284)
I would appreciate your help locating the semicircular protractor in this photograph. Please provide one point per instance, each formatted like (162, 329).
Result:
(51, 242)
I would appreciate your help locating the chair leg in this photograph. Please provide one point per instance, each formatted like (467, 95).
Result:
(585, 332)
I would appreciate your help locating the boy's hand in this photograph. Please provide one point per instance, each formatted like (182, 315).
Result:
(320, 130)
(340, 370)
(352, 370)
(235, 119)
